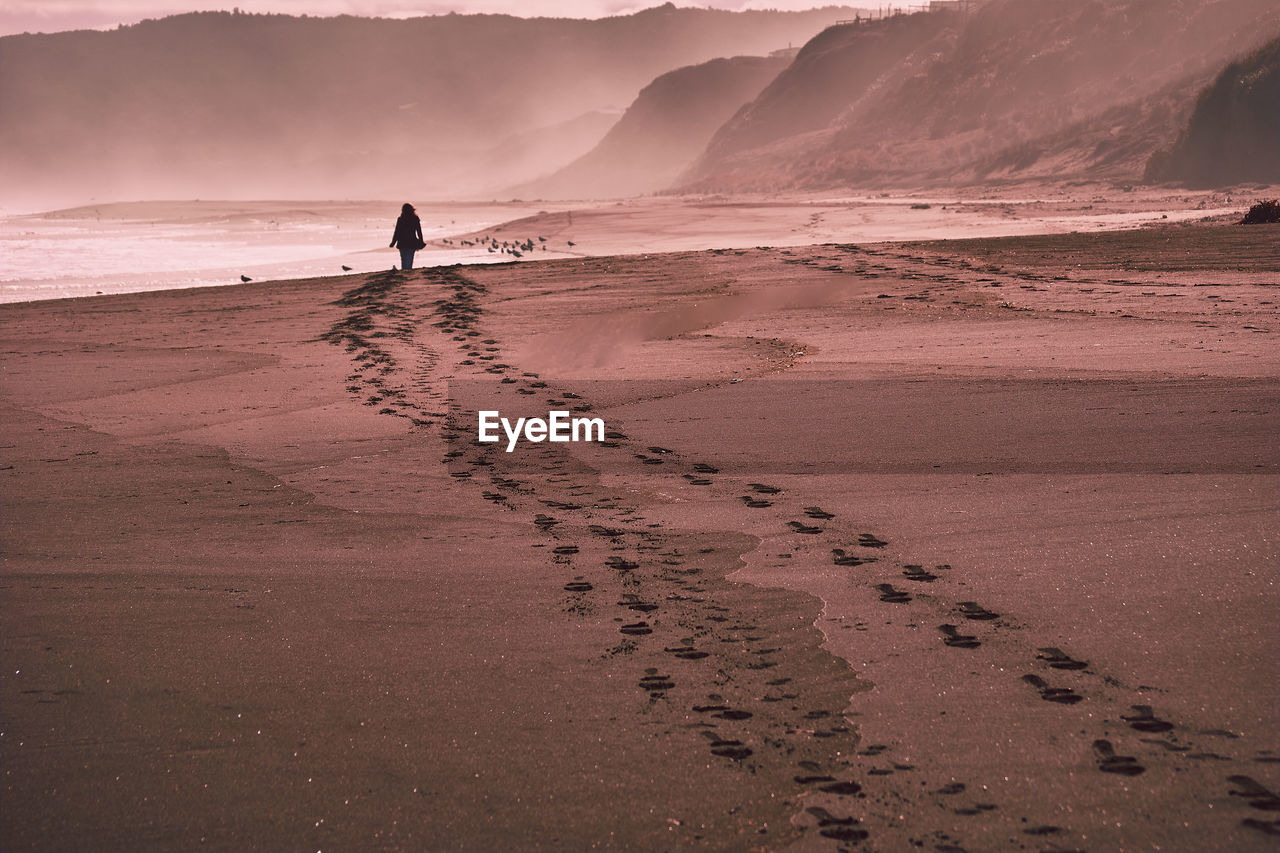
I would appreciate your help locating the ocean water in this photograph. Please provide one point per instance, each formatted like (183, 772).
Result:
(124, 248)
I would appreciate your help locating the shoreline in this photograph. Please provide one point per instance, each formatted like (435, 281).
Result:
(206, 243)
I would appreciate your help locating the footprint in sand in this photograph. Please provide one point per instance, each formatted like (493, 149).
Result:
(636, 629)
(656, 684)
(1270, 827)
(1058, 659)
(1042, 830)
(731, 749)
(620, 564)
(842, 558)
(1061, 695)
(866, 540)
(818, 512)
(1109, 762)
(975, 611)
(952, 637)
(1165, 745)
(803, 528)
(733, 714)
(761, 488)
(975, 809)
(838, 828)
(686, 652)
(918, 573)
(891, 595)
(813, 780)
(578, 586)
(843, 789)
(1259, 796)
(565, 550)
(638, 606)
(1144, 720)
(814, 773)
(755, 503)
(697, 481)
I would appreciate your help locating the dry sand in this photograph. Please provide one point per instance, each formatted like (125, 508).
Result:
(258, 596)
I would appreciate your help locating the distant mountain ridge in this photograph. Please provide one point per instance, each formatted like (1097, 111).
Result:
(1017, 89)
(216, 103)
(663, 131)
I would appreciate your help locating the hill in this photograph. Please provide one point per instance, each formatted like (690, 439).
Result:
(1233, 135)
(233, 104)
(1015, 89)
(663, 131)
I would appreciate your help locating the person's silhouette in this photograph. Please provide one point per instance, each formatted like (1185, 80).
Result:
(408, 236)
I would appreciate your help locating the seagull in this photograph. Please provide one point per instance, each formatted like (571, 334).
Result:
(245, 279)
(346, 268)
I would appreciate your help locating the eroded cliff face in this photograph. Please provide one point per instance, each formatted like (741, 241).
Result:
(1015, 89)
(663, 131)
(1233, 135)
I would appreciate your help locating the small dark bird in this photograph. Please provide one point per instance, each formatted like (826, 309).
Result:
(346, 268)
(245, 279)
(570, 242)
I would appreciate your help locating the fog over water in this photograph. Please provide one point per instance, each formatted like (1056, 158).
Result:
(167, 245)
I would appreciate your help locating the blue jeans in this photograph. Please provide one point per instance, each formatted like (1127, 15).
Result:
(406, 258)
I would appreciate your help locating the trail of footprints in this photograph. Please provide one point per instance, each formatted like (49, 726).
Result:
(663, 600)
(948, 280)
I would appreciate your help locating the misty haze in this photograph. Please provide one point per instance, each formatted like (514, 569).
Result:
(831, 429)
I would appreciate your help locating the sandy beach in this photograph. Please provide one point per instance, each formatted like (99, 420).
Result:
(949, 545)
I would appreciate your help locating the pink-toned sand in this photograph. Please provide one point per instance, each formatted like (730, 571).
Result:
(258, 595)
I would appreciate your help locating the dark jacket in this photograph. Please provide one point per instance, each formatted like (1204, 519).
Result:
(408, 232)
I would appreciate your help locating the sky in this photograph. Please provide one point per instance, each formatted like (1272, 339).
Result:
(47, 16)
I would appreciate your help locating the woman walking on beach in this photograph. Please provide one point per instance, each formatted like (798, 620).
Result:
(408, 235)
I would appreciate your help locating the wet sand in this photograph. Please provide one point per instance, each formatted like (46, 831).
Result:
(259, 594)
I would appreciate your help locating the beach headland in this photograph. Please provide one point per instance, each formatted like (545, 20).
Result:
(952, 545)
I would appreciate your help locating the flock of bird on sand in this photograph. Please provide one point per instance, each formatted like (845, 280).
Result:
(515, 248)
